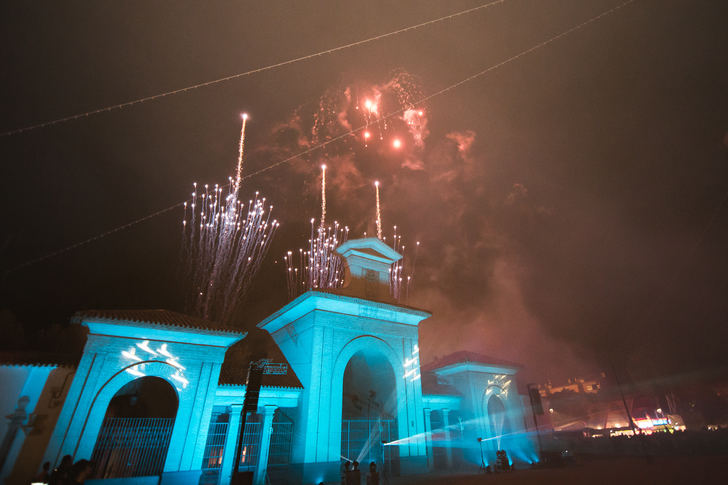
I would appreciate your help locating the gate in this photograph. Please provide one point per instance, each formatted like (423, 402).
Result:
(131, 447)
(214, 449)
(280, 446)
(361, 440)
(250, 449)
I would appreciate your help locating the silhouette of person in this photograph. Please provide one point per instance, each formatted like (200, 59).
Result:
(373, 476)
(80, 471)
(44, 475)
(62, 473)
(345, 473)
(354, 475)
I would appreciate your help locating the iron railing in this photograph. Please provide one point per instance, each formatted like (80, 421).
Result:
(279, 454)
(361, 439)
(131, 447)
(214, 449)
(280, 444)
(250, 449)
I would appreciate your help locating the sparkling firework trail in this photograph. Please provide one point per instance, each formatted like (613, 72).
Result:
(379, 212)
(323, 196)
(225, 244)
(241, 147)
(320, 267)
(402, 273)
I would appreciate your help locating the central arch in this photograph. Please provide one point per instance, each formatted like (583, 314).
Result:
(369, 408)
(378, 365)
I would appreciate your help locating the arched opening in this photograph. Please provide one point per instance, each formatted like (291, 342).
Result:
(136, 430)
(369, 411)
(499, 423)
(439, 442)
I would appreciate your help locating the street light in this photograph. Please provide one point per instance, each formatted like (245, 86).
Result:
(482, 457)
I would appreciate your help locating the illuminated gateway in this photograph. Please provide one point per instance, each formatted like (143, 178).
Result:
(148, 403)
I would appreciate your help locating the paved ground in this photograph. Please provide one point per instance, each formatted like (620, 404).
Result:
(691, 470)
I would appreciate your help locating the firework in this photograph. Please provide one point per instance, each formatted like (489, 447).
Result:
(379, 212)
(225, 243)
(402, 272)
(323, 195)
(241, 146)
(320, 267)
(341, 109)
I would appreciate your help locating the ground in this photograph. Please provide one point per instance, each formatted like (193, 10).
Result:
(693, 470)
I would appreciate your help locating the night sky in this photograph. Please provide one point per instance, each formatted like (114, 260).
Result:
(571, 205)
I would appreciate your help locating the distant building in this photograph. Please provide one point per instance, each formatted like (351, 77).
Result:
(575, 384)
(149, 399)
(582, 405)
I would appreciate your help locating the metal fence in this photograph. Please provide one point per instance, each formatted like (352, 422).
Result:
(279, 451)
(280, 444)
(214, 449)
(361, 439)
(250, 449)
(131, 447)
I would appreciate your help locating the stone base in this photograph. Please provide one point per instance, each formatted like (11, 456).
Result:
(190, 477)
(315, 473)
(151, 480)
(413, 465)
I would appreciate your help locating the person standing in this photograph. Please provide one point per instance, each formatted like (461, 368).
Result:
(44, 475)
(61, 474)
(80, 471)
(373, 476)
(345, 473)
(353, 477)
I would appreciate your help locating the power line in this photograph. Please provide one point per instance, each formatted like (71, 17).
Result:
(452, 86)
(344, 135)
(248, 73)
(94, 238)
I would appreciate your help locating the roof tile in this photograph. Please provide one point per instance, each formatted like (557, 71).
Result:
(154, 317)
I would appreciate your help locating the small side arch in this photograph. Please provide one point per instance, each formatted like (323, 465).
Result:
(100, 402)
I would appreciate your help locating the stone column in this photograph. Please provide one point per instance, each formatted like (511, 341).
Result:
(446, 426)
(231, 442)
(265, 434)
(428, 439)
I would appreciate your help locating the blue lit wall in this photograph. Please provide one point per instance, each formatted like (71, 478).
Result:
(491, 388)
(319, 333)
(115, 355)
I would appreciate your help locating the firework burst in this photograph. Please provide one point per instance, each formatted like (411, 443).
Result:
(402, 272)
(341, 110)
(225, 242)
(319, 267)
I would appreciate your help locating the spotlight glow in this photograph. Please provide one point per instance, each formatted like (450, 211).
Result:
(397, 143)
